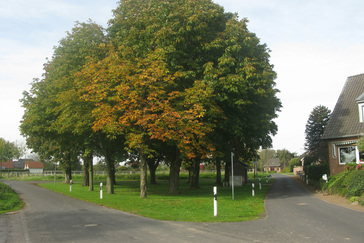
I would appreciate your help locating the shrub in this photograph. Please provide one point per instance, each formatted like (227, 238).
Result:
(286, 169)
(315, 172)
(350, 166)
(348, 184)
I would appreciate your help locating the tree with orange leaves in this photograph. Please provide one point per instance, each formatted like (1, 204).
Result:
(136, 97)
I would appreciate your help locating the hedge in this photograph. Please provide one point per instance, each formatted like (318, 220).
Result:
(315, 172)
(348, 184)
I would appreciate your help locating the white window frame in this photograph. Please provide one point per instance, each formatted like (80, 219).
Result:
(357, 158)
(361, 112)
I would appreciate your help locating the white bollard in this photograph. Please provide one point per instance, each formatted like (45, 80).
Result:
(215, 201)
(70, 185)
(253, 192)
(101, 190)
(260, 184)
(306, 179)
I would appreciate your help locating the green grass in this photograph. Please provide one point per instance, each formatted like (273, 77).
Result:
(189, 205)
(9, 200)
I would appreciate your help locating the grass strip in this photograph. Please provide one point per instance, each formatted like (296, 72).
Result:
(9, 200)
(190, 205)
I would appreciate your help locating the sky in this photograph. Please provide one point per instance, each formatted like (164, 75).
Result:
(315, 45)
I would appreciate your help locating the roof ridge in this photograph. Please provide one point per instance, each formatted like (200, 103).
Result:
(361, 74)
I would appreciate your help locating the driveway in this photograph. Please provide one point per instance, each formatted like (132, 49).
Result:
(293, 215)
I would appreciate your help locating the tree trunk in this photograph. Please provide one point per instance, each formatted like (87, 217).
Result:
(153, 179)
(91, 176)
(174, 170)
(195, 174)
(110, 171)
(86, 165)
(68, 175)
(143, 175)
(113, 177)
(88, 179)
(218, 173)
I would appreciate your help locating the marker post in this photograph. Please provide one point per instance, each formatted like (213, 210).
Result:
(101, 190)
(260, 184)
(215, 201)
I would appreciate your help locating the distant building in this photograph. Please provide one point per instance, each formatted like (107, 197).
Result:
(34, 167)
(6, 165)
(20, 163)
(273, 164)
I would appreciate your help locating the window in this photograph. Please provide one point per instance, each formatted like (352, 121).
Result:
(347, 154)
(361, 112)
(361, 157)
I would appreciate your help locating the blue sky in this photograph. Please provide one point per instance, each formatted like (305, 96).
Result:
(315, 45)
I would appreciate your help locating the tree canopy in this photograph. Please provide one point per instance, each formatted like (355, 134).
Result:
(180, 80)
(315, 127)
(8, 150)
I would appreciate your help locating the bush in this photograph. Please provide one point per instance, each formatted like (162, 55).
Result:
(350, 166)
(348, 184)
(315, 172)
(286, 169)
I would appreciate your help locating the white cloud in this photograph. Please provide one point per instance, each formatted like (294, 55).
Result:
(28, 32)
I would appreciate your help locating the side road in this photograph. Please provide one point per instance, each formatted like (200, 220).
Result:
(293, 215)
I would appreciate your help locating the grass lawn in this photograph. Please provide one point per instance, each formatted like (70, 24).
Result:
(189, 205)
(9, 200)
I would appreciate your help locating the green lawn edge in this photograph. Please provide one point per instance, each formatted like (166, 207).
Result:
(9, 199)
(190, 205)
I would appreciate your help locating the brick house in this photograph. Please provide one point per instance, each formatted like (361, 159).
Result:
(34, 167)
(346, 125)
(273, 164)
(6, 165)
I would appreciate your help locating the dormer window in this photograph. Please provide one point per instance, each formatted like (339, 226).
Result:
(360, 101)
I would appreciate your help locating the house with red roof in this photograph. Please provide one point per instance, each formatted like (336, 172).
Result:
(6, 165)
(34, 167)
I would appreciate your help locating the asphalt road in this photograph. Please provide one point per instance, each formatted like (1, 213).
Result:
(293, 215)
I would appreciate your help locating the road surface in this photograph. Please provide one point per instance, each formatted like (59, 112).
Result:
(293, 215)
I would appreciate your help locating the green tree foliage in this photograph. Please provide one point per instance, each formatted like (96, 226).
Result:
(294, 162)
(179, 80)
(8, 150)
(284, 156)
(317, 149)
(360, 144)
(264, 156)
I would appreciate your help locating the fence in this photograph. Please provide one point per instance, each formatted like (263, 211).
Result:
(52, 172)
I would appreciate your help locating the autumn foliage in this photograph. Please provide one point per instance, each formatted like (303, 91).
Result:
(181, 79)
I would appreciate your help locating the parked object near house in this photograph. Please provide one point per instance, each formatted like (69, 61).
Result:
(34, 167)
(346, 126)
(6, 165)
(273, 164)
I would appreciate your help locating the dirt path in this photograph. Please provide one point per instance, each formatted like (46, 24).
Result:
(334, 199)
